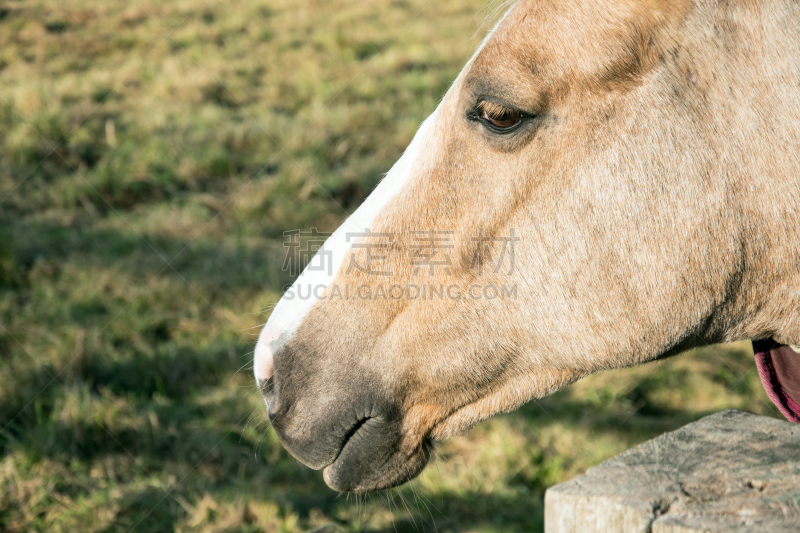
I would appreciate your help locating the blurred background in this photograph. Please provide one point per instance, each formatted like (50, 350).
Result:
(152, 153)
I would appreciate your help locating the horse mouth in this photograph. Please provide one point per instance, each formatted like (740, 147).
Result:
(373, 457)
(352, 431)
(348, 437)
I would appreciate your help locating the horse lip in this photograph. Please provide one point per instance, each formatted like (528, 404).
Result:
(349, 436)
(390, 470)
(356, 442)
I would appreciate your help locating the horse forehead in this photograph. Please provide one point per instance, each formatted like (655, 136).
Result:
(542, 33)
(520, 47)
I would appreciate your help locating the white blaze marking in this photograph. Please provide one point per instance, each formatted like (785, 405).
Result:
(319, 273)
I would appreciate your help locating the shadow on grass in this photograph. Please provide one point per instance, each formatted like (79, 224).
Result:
(162, 411)
(173, 373)
(149, 509)
(214, 456)
(212, 267)
(473, 510)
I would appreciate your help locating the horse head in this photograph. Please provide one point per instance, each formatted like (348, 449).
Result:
(604, 184)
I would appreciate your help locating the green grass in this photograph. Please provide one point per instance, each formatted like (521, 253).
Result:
(151, 155)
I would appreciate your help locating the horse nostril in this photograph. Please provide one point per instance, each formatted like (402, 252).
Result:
(267, 388)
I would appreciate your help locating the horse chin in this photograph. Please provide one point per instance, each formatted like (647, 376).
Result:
(452, 427)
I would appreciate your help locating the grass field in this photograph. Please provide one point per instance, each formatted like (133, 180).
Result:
(151, 155)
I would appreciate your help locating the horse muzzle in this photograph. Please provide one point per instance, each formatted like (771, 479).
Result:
(341, 422)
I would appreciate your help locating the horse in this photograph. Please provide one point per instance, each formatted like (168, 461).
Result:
(605, 183)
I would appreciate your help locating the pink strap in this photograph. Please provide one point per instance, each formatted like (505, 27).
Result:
(763, 350)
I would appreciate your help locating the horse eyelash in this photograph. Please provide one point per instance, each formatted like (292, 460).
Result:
(492, 110)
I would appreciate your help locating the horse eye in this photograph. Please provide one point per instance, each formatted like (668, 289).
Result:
(500, 117)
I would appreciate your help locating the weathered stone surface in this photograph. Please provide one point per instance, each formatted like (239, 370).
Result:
(731, 471)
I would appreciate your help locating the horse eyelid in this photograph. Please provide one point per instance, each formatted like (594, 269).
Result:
(492, 108)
